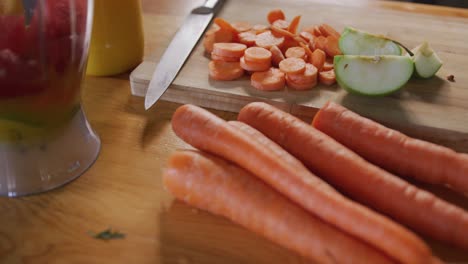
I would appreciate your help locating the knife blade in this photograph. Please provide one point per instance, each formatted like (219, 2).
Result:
(179, 49)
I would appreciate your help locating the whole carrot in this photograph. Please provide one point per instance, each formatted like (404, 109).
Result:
(266, 143)
(393, 150)
(222, 188)
(207, 132)
(360, 179)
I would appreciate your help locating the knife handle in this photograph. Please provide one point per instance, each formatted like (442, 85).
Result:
(208, 7)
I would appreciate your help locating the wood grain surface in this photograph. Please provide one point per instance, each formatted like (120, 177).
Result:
(123, 189)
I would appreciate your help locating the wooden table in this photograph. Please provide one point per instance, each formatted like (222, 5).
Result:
(123, 189)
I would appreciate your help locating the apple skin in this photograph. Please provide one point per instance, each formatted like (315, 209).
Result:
(425, 52)
(336, 63)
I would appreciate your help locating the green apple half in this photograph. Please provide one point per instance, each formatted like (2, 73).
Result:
(426, 61)
(373, 75)
(358, 42)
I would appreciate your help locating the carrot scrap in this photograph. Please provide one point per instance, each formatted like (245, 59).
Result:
(294, 24)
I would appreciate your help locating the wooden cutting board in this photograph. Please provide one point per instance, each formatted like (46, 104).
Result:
(434, 109)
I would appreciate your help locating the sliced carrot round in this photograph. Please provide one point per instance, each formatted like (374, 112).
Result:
(208, 41)
(275, 14)
(242, 26)
(280, 23)
(259, 28)
(267, 40)
(213, 28)
(328, 30)
(327, 77)
(309, 29)
(223, 24)
(254, 66)
(224, 58)
(223, 35)
(320, 42)
(328, 65)
(248, 38)
(307, 51)
(332, 48)
(271, 80)
(306, 36)
(276, 55)
(279, 32)
(257, 54)
(225, 71)
(316, 32)
(229, 49)
(309, 75)
(318, 59)
(299, 86)
(215, 35)
(288, 43)
(295, 52)
(292, 65)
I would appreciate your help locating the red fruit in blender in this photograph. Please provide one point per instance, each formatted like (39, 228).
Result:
(59, 19)
(59, 54)
(19, 77)
(63, 31)
(12, 33)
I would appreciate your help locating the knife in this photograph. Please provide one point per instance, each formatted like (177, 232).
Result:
(179, 49)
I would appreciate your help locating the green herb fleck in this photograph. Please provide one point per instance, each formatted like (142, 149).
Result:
(107, 234)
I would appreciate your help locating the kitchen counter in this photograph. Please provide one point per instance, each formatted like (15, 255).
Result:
(123, 189)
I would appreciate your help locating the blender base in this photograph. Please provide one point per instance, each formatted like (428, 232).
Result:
(45, 164)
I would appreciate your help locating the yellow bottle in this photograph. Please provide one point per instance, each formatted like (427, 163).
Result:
(11, 7)
(117, 41)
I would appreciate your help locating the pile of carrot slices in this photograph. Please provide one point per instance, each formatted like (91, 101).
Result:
(275, 56)
(316, 189)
